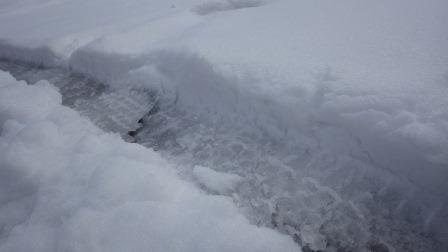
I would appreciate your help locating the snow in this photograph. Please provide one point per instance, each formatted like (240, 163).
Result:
(218, 182)
(215, 6)
(351, 93)
(65, 185)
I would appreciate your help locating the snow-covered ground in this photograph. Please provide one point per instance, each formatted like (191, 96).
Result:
(332, 115)
(65, 185)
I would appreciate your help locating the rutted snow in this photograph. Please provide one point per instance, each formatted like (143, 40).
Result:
(67, 186)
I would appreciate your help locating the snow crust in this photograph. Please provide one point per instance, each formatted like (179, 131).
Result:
(65, 185)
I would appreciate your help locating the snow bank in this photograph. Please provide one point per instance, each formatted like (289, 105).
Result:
(67, 186)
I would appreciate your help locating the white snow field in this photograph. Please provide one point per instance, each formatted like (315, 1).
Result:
(329, 116)
(65, 185)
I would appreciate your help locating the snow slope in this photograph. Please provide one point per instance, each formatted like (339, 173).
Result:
(341, 103)
(65, 185)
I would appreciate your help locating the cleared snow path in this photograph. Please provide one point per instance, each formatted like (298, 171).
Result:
(66, 185)
(333, 113)
(322, 198)
(111, 110)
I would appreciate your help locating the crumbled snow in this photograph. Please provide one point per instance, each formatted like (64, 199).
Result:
(218, 182)
(67, 186)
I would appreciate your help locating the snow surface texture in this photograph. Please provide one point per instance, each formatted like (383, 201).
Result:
(334, 114)
(67, 186)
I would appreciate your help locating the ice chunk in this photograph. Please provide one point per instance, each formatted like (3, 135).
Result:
(218, 182)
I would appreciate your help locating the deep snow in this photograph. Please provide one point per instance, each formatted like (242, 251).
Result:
(334, 113)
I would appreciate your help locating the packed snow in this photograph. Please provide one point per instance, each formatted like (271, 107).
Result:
(326, 120)
(65, 185)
